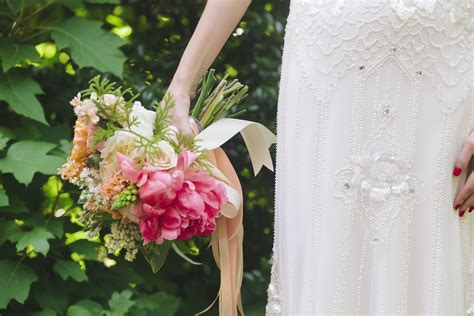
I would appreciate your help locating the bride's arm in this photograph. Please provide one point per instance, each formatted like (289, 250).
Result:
(217, 22)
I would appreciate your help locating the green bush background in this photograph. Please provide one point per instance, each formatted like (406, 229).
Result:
(49, 50)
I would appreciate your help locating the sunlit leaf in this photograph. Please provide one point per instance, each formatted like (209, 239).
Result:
(90, 45)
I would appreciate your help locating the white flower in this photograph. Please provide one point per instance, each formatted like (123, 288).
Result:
(166, 159)
(144, 120)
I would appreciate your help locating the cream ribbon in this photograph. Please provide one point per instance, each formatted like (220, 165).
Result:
(257, 137)
(227, 240)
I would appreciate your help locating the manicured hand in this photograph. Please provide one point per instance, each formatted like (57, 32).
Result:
(464, 201)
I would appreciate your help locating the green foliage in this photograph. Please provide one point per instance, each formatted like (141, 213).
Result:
(20, 161)
(18, 90)
(90, 45)
(37, 238)
(70, 269)
(50, 50)
(12, 53)
(16, 281)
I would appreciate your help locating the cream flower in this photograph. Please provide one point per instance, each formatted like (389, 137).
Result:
(166, 159)
(121, 141)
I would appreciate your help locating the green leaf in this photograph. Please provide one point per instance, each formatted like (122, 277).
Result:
(12, 53)
(50, 296)
(156, 254)
(90, 45)
(93, 307)
(70, 269)
(160, 303)
(15, 282)
(3, 198)
(86, 248)
(38, 238)
(18, 90)
(76, 310)
(73, 4)
(182, 255)
(16, 206)
(9, 231)
(46, 312)
(103, 1)
(3, 140)
(120, 303)
(20, 161)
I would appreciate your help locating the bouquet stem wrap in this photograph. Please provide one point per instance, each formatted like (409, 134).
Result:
(227, 240)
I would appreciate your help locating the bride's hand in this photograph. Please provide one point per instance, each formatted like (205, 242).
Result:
(465, 199)
(180, 112)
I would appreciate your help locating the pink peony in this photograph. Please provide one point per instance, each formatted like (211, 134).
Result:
(175, 204)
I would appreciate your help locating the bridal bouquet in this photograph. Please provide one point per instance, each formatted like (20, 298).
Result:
(150, 186)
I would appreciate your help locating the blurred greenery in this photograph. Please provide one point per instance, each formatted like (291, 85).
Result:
(49, 50)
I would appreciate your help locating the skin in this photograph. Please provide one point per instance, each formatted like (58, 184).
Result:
(464, 201)
(218, 21)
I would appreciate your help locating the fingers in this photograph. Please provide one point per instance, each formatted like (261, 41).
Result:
(468, 206)
(466, 192)
(183, 125)
(465, 155)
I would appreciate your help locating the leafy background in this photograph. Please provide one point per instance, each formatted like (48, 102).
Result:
(49, 50)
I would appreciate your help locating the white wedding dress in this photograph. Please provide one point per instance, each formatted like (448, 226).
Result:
(375, 102)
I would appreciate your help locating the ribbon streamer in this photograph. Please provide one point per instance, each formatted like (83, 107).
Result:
(227, 240)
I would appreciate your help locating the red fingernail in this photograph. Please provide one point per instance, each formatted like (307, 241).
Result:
(457, 206)
(457, 171)
(462, 213)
